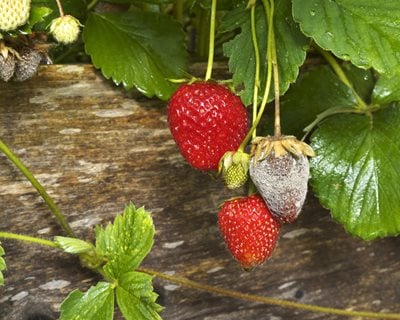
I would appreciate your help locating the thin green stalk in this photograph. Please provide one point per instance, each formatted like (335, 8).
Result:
(266, 300)
(92, 4)
(277, 123)
(20, 237)
(267, 88)
(327, 113)
(342, 76)
(178, 10)
(36, 184)
(257, 61)
(202, 33)
(211, 40)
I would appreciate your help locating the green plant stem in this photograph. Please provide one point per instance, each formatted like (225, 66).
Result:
(202, 33)
(257, 61)
(267, 88)
(211, 40)
(266, 300)
(36, 184)
(20, 237)
(92, 4)
(342, 76)
(178, 10)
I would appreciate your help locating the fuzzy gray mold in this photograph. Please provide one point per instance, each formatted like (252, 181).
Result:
(27, 66)
(282, 182)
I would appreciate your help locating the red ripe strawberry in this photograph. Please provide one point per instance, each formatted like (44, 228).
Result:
(249, 230)
(206, 120)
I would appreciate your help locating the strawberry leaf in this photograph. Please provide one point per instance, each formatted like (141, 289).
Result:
(363, 31)
(387, 89)
(290, 46)
(135, 296)
(126, 242)
(95, 304)
(2, 265)
(355, 173)
(73, 245)
(137, 49)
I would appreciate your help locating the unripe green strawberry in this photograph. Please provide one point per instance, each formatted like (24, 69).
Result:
(249, 230)
(27, 65)
(7, 67)
(234, 167)
(279, 169)
(65, 29)
(13, 13)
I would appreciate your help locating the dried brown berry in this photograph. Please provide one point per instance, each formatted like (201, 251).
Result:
(26, 66)
(7, 67)
(279, 169)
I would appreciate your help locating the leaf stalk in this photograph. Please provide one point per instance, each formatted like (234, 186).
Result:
(20, 237)
(361, 105)
(36, 184)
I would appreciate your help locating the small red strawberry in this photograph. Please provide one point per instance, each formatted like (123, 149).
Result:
(249, 230)
(206, 120)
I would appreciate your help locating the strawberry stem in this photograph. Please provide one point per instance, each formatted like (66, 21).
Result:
(257, 61)
(277, 126)
(178, 10)
(211, 40)
(265, 300)
(60, 8)
(36, 184)
(269, 13)
(92, 4)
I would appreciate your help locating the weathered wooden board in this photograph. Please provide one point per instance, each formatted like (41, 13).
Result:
(95, 148)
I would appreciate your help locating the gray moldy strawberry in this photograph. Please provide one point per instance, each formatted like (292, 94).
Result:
(279, 169)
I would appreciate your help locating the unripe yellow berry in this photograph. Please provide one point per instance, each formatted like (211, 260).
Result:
(13, 13)
(65, 29)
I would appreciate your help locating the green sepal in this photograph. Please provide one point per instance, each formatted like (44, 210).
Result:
(234, 167)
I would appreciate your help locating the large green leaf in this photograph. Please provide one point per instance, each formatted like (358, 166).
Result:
(136, 298)
(95, 304)
(363, 31)
(137, 49)
(2, 265)
(290, 46)
(387, 89)
(126, 242)
(356, 171)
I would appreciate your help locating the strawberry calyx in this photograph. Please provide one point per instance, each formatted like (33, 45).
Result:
(263, 146)
(5, 51)
(234, 167)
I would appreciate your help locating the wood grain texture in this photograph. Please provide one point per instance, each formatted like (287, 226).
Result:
(95, 148)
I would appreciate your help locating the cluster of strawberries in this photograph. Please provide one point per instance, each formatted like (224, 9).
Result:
(209, 124)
